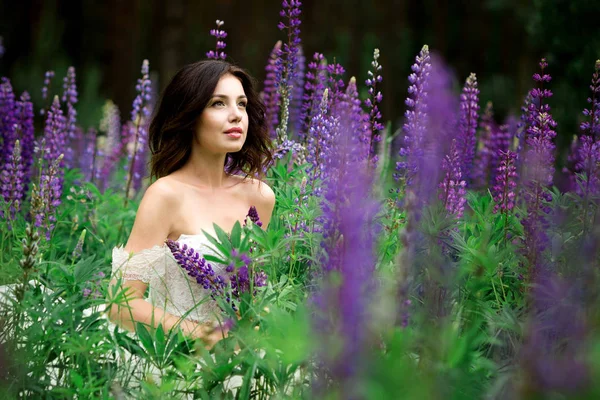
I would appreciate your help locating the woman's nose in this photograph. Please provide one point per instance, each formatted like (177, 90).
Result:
(236, 113)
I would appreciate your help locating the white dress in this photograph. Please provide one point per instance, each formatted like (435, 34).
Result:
(170, 287)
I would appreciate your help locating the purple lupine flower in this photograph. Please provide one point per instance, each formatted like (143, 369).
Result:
(416, 118)
(2, 50)
(335, 83)
(25, 116)
(469, 113)
(375, 97)
(113, 148)
(270, 92)
(453, 186)
(298, 95)
(504, 189)
(553, 356)
(220, 35)
(54, 132)
(314, 87)
(350, 110)
(197, 267)
(48, 76)
(87, 161)
(480, 174)
(343, 300)
(45, 199)
(11, 182)
(138, 136)
(538, 168)
(592, 127)
(8, 120)
(287, 60)
(253, 215)
(69, 98)
(500, 141)
(588, 166)
(324, 129)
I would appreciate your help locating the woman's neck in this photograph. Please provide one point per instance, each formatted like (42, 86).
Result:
(206, 170)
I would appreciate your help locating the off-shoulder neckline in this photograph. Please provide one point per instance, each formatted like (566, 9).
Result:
(162, 246)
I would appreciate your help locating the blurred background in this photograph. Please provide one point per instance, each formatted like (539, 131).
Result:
(500, 40)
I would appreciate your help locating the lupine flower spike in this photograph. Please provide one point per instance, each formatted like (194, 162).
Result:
(11, 182)
(453, 186)
(139, 118)
(220, 35)
(372, 104)
(48, 76)
(270, 92)
(253, 215)
(592, 127)
(416, 118)
(469, 113)
(287, 60)
(504, 189)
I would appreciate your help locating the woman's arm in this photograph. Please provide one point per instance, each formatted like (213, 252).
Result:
(153, 223)
(264, 201)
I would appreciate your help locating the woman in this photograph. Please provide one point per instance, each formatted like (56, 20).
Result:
(208, 128)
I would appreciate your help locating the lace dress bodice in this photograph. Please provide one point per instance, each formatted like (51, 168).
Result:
(170, 287)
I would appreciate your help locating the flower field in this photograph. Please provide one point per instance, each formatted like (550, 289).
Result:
(451, 256)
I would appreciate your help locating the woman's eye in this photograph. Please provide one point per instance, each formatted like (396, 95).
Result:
(243, 104)
(218, 103)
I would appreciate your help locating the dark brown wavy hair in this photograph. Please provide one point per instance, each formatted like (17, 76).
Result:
(181, 103)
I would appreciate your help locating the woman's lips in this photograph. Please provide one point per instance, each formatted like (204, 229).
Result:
(234, 134)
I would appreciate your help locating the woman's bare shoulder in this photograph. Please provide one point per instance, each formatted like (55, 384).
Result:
(257, 190)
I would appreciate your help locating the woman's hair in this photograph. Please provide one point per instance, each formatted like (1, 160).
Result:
(183, 100)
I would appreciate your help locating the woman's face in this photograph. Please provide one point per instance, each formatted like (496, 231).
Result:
(223, 125)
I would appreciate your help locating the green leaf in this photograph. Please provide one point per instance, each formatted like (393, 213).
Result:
(145, 338)
(236, 235)
(160, 343)
(247, 382)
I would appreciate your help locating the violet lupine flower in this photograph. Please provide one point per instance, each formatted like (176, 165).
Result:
(480, 174)
(500, 141)
(197, 267)
(48, 76)
(139, 131)
(2, 50)
(8, 120)
(324, 129)
(592, 127)
(220, 35)
(350, 110)
(69, 97)
(504, 189)
(335, 83)
(11, 183)
(469, 113)
(553, 355)
(45, 199)
(113, 147)
(371, 103)
(588, 166)
(253, 215)
(55, 132)
(453, 186)
(87, 161)
(25, 114)
(538, 168)
(271, 92)
(343, 300)
(416, 118)
(314, 87)
(298, 95)
(287, 60)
